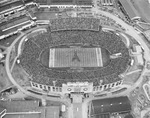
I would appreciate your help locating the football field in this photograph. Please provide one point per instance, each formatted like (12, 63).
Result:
(75, 57)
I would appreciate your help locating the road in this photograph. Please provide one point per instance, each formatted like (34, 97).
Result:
(77, 110)
(133, 33)
(128, 29)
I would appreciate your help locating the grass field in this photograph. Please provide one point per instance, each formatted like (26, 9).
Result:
(76, 57)
(66, 57)
(20, 76)
(4, 80)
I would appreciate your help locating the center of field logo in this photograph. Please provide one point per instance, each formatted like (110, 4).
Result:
(75, 57)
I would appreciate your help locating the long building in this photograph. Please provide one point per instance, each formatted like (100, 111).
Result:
(27, 109)
(104, 107)
(14, 24)
(129, 9)
(9, 6)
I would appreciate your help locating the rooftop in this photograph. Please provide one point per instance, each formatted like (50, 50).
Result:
(129, 8)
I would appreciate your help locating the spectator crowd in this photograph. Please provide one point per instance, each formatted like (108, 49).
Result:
(79, 23)
(80, 34)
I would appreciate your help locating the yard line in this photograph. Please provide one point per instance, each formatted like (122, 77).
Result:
(51, 58)
(99, 57)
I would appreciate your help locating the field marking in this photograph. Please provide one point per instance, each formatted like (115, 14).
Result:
(99, 57)
(51, 58)
(50, 63)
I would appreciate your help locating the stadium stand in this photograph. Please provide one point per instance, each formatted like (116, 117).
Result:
(46, 88)
(65, 2)
(104, 107)
(95, 89)
(62, 2)
(84, 2)
(103, 20)
(46, 76)
(107, 86)
(106, 2)
(74, 23)
(41, 2)
(28, 1)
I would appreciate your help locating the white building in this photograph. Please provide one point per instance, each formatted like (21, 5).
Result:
(137, 52)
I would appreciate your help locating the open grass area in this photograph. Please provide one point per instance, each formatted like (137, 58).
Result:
(88, 57)
(4, 80)
(20, 76)
(8, 41)
(132, 78)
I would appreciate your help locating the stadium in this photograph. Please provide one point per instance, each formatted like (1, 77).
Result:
(81, 52)
(73, 59)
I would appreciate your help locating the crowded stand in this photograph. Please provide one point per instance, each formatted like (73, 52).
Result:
(104, 21)
(74, 23)
(84, 2)
(65, 2)
(29, 59)
(106, 2)
(63, 30)
(28, 1)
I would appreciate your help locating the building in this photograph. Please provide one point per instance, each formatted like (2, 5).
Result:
(147, 34)
(129, 9)
(106, 2)
(138, 54)
(27, 109)
(104, 107)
